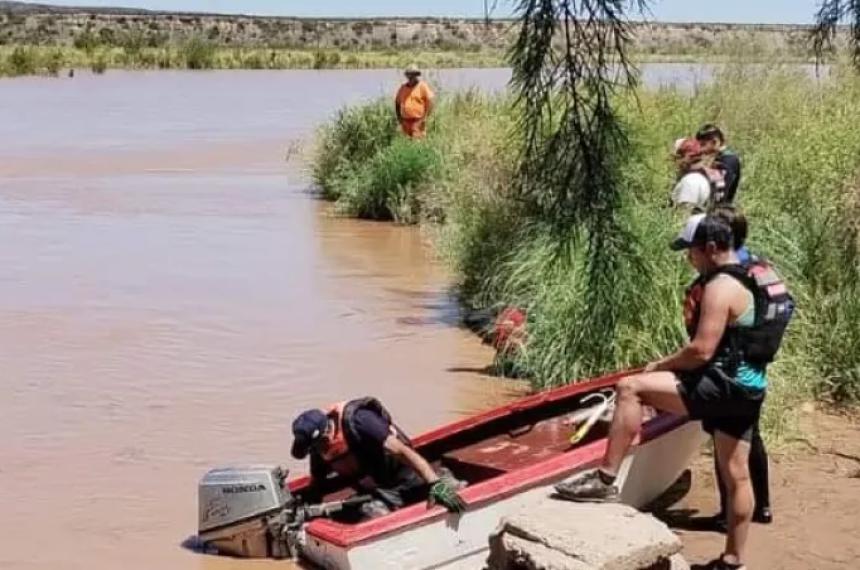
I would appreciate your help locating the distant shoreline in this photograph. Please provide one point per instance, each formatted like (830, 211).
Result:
(44, 24)
(47, 8)
(37, 38)
(51, 61)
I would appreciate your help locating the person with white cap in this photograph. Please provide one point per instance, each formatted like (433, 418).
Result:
(718, 376)
(413, 103)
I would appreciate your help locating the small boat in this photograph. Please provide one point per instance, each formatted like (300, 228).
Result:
(507, 457)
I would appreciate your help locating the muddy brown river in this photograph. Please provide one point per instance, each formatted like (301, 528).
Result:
(171, 295)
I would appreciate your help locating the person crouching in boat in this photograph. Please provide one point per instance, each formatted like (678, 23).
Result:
(359, 441)
(718, 377)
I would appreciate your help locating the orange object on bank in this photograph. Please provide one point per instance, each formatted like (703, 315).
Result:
(414, 102)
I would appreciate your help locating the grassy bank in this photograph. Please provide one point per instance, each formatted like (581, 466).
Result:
(200, 54)
(801, 191)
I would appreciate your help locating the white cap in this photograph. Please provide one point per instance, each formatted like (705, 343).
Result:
(687, 237)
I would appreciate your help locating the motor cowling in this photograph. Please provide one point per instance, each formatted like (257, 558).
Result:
(243, 511)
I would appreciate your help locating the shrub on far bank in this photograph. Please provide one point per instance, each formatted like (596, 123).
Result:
(23, 61)
(54, 61)
(29, 60)
(198, 54)
(100, 63)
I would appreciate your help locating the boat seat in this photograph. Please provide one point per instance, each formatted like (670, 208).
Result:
(509, 451)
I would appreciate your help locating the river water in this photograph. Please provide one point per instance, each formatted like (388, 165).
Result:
(171, 296)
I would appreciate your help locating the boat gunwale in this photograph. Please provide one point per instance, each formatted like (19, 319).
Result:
(497, 488)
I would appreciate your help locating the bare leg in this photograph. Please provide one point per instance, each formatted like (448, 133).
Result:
(658, 389)
(733, 461)
(758, 476)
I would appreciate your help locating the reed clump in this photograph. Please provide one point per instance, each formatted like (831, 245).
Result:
(801, 191)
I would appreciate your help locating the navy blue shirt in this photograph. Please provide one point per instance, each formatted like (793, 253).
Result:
(372, 430)
(730, 164)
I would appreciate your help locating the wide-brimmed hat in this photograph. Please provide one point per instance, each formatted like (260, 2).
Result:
(412, 69)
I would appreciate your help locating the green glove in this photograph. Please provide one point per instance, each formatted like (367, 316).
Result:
(441, 493)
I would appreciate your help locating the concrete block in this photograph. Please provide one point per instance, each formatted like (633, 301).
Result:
(560, 535)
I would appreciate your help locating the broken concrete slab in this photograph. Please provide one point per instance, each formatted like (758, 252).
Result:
(511, 552)
(560, 535)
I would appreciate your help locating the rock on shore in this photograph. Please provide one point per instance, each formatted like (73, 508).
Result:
(559, 535)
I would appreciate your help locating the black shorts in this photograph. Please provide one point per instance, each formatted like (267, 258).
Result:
(722, 404)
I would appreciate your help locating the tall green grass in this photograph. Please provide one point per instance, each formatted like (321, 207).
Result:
(349, 141)
(388, 186)
(370, 169)
(801, 191)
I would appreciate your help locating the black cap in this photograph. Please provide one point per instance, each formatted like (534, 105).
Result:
(709, 131)
(307, 428)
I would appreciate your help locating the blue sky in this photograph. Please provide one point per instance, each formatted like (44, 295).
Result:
(755, 11)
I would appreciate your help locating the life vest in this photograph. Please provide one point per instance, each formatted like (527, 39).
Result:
(509, 330)
(717, 180)
(774, 307)
(731, 184)
(337, 444)
(343, 453)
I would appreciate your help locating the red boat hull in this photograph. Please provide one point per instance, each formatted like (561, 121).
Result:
(510, 477)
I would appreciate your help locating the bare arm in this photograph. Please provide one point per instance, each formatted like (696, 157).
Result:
(409, 456)
(715, 315)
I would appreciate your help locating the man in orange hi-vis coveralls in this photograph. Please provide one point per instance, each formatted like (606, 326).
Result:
(413, 104)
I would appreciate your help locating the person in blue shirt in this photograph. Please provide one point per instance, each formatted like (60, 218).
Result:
(713, 143)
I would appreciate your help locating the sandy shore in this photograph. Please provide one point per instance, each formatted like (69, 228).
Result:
(815, 489)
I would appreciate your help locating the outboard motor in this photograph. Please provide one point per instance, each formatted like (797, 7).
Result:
(244, 511)
(248, 511)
